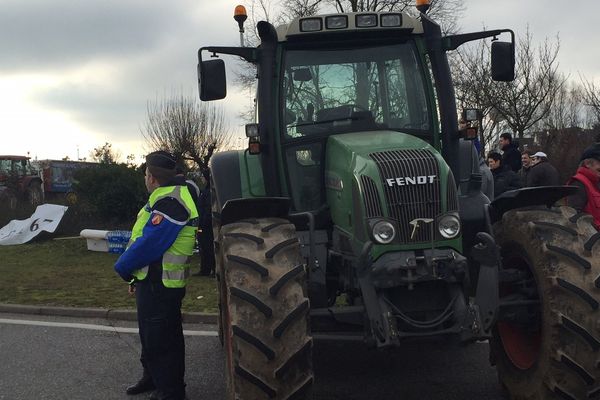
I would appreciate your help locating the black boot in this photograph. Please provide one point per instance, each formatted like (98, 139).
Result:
(143, 385)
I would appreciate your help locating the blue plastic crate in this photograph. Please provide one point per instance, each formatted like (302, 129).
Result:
(118, 236)
(116, 247)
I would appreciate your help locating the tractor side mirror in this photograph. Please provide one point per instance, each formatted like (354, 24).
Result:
(503, 61)
(211, 80)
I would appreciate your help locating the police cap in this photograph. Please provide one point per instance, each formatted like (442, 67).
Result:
(161, 159)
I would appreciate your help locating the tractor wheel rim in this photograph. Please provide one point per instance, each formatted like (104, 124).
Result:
(522, 348)
(521, 344)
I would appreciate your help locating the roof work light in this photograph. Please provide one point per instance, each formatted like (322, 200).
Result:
(311, 24)
(366, 20)
(336, 22)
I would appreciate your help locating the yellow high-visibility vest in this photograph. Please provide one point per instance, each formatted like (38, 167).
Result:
(175, 261)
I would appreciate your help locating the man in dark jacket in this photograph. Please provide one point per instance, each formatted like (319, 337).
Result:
(542, 173)
(205, 237)
(505, 179)
(525, 166)
(511, 156)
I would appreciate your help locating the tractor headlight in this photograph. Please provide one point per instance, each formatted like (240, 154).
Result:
(449, 226)
(384, 232)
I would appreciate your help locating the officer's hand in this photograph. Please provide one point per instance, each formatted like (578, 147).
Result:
(131, 289)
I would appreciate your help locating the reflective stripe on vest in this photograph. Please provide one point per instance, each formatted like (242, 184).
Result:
(175, 261)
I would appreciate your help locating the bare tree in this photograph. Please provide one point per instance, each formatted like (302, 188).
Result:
(472, 83)
(529, 98)
(191, 130)
(526, 101)
(591, 98)
(566, 110)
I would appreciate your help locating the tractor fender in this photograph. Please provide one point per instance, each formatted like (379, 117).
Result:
(252, 208)
(527, 197)
(226, 183)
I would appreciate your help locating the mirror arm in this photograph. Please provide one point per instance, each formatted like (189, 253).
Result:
(247, 53)
(452, 42)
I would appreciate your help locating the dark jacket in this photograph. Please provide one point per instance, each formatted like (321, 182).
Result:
(523, 173)
(505, 179)
(511, 156)
(543, 174)
(205, 209)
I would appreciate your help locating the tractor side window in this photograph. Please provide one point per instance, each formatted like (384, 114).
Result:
(305, 171)
(5, 166)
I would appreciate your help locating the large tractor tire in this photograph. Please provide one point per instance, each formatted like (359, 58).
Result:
(547, 340)
(264, 311)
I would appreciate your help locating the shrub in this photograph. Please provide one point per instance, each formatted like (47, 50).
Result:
(113, 192)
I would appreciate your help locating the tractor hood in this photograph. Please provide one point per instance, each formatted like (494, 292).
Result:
(390, 175)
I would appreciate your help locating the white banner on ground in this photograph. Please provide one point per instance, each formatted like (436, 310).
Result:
(45, 218)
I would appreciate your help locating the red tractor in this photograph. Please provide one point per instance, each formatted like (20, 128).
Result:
(19, 181)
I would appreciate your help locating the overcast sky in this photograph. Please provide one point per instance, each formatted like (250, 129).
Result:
(76, 74)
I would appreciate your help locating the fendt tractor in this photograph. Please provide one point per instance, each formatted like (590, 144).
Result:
(356, 213)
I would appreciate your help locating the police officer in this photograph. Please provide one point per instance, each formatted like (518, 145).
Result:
(156, 265)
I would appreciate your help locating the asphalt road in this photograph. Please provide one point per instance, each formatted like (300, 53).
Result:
(58, 362)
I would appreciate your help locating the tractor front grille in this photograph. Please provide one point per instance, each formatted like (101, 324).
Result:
(411, 181)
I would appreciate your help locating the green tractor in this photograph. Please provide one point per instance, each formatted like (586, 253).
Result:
(356, 214)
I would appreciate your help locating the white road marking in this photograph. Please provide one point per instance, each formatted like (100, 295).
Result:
(93, 327)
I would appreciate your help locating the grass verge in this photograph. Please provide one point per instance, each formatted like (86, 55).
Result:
(65, 273)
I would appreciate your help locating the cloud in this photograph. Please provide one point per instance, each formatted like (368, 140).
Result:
(40, 34)
(106, 60)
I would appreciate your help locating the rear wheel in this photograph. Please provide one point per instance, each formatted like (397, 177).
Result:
(264, 311)
(547, 340)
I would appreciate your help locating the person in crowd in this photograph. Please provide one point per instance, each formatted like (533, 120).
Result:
(487, 179)
(205, 237)
(511, 156)
(542, 173)
(526, 165)
(586, 179)
(156, 266)
(505, 179)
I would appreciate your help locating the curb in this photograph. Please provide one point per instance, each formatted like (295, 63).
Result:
(117, 314)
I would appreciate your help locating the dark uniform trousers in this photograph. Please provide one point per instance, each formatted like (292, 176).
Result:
(161, 335)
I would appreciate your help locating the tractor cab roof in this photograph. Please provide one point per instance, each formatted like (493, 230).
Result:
(349, 23)
(14, 158)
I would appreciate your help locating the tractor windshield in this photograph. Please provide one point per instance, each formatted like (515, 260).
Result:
(358, 89)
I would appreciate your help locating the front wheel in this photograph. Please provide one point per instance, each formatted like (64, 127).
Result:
(547, 340)
(264, 311)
